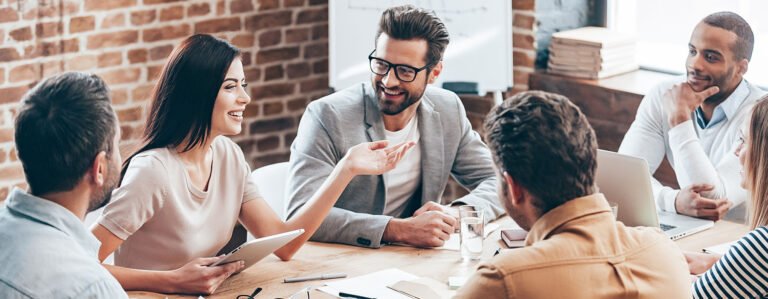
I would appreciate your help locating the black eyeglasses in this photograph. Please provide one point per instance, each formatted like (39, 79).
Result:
(251, 296)
(403, 72)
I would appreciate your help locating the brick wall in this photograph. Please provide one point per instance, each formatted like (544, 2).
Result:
(126, 42)
(524, 27)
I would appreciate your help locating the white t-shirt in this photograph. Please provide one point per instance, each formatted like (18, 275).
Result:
(405, 178)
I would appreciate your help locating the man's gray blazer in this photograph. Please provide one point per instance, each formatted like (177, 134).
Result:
(333, 124)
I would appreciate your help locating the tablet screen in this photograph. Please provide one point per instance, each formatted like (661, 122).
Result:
(253, 251)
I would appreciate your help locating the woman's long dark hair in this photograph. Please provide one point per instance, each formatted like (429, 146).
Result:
(184, 96)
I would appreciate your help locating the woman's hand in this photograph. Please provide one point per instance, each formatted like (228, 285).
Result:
(373, 158)
(370, 158)
(698, 263)
(198, 277)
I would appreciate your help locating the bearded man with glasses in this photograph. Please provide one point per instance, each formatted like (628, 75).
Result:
(399, 104)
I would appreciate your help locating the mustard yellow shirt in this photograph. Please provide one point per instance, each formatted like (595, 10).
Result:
(577, 250)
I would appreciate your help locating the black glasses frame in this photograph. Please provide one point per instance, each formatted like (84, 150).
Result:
(394, 66)
(251, 296)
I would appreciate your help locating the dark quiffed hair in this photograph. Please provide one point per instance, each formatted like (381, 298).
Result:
(409, 22)
(546, 145)
(63, 124)
(184, 96)
(745, 39)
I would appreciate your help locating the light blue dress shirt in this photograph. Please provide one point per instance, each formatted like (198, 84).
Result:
(47, 252)
(724, 110)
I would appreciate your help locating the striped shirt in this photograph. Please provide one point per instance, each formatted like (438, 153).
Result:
(741, 273)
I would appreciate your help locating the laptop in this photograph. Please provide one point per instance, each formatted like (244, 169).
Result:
(626, 180)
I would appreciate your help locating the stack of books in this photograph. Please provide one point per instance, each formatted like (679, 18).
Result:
(592, 53)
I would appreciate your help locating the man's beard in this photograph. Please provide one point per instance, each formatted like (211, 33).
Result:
(393, 109)
(389, 108)
(103, 196)
(719, 81)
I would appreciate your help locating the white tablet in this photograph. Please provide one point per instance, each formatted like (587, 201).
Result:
(253, 251)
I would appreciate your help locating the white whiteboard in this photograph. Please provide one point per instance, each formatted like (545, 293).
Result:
(480, 49)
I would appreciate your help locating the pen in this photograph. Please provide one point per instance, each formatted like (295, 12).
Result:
(348, 295)
(314, 277)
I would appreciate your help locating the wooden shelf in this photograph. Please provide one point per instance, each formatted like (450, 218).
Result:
(636, 82)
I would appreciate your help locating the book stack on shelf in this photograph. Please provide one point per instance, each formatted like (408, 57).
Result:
(591, 53)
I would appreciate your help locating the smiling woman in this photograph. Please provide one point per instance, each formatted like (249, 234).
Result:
(182, 193)
(227, 117)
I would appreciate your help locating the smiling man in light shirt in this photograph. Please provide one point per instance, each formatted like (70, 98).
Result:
(399, 104)
(695, 123)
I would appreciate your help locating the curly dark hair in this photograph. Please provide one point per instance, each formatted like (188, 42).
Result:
(546, 145)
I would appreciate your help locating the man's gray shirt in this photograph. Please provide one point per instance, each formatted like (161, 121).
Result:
(335, 123)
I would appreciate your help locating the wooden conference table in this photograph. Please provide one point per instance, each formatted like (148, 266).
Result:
(318, 258)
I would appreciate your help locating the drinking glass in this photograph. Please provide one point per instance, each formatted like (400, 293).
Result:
(471, 232)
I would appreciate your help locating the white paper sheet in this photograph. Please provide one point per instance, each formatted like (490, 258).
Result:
(373, 285)
(720, 249)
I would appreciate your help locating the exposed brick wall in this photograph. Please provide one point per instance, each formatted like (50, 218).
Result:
(126, 42)
(524, 27)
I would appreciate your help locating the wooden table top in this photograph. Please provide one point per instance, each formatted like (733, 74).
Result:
(319, 258)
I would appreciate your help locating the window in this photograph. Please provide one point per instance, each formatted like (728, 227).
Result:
(663, 28)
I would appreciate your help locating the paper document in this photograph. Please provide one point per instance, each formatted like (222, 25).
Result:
(489, 228)
(720, 249)
(423, 288)
(454, 243)
(373, 285)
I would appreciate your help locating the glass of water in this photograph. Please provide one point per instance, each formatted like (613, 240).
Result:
(471, 231)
